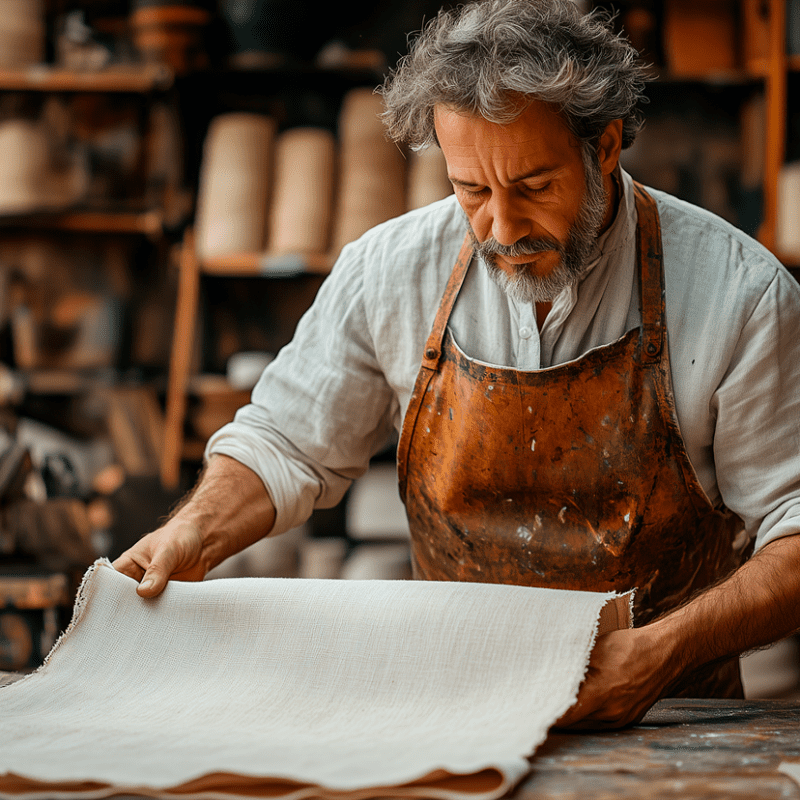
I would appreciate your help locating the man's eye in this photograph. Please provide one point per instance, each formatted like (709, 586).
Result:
(472, 192)
(535, 190)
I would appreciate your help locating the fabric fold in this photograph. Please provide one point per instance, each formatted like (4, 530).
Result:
(287, 688)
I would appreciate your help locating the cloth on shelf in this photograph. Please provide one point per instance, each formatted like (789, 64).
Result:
(290, 688)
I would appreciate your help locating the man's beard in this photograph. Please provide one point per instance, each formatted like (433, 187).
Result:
(524, 286)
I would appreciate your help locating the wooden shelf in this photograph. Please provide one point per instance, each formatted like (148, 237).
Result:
(128, 79)
(268, 265)
(148, 223)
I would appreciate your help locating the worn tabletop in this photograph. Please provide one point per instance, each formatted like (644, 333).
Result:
(682, 749)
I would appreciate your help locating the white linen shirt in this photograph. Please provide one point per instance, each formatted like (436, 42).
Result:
(334, 395)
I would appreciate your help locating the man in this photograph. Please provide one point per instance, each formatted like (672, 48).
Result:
(606, 397)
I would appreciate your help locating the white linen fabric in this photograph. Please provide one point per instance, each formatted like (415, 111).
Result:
(334, 396)
(295, 688)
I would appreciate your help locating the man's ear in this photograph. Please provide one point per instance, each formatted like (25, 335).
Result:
(610, 146)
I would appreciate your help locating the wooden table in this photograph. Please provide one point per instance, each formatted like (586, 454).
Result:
(688, 749)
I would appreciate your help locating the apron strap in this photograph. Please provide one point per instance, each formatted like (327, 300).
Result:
(433, 347)
(651, 273)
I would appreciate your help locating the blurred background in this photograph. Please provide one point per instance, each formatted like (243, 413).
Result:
(176, 180)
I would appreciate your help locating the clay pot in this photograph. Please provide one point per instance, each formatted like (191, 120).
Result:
(427, 177)
(372, 174)
(235, 178)
(788, 222)
(22, 33)
(302, 202)
(24, 166)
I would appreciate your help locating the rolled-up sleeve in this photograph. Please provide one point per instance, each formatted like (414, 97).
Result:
(757, 407)
(321, 409)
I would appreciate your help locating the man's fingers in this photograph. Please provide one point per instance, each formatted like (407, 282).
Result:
(152, 583)
(151, 580)
(127, 566)
(171, 552)
(151, 563)
(158, 574)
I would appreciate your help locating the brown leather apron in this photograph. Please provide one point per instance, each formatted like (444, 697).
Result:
(571, 477)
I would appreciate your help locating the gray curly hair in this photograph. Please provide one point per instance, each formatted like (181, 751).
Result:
(481, 57)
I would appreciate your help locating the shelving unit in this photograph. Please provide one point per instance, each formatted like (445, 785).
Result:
(93, 222)
(294, 95)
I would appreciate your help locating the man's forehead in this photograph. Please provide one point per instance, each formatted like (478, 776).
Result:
(463, 130)
(537, 140)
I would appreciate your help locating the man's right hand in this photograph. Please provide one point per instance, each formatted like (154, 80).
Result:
(173, 552)
(229, 510)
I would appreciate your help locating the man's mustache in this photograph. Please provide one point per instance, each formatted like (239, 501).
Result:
(524, 247)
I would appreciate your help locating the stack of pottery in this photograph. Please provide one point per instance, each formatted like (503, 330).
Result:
(372, 182)
(302, 201)
(25, 169)
(22, 33)
(171, 33)
(234, 185)
(427, 177)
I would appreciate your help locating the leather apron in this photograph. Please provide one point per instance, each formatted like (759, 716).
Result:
(573, 477)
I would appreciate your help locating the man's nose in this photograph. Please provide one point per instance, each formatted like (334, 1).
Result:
(509, 222)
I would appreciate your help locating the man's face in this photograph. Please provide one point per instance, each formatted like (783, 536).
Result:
(533, 210)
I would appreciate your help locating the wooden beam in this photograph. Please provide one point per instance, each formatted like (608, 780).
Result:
(180, 361)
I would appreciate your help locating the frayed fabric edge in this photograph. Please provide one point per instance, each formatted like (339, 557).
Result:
(78, 610)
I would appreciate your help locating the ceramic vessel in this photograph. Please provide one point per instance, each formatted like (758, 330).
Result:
(300, 215)
(372, 174)
(234, 184)
(22, 33)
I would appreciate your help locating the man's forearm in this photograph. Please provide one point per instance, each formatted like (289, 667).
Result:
(757, 605)
(230, 508)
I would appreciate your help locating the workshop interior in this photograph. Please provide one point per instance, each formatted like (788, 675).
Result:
(177, 180)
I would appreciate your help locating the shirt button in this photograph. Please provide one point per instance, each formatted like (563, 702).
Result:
(525, 332)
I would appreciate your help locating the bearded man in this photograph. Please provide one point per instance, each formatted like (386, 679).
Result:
(601, 394)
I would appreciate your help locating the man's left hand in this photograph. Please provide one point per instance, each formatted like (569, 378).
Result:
(626, 675)
(629, 670)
